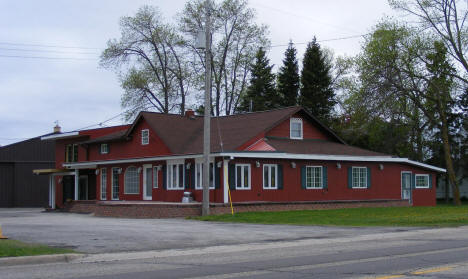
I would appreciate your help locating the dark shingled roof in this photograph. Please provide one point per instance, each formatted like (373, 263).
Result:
(184, 135)
(320, 147)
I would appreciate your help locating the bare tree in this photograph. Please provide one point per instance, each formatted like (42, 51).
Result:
(235, 40)
(150, 59)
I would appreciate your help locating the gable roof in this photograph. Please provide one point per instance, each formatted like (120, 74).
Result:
(184, 135)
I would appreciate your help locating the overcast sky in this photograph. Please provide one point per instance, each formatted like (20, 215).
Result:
(49, 53)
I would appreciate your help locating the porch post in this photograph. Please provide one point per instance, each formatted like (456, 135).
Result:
(51, 199)
(226, 181)
(52, 186)
(77, 180)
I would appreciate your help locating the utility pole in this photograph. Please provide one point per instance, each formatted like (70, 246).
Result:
(207, 116)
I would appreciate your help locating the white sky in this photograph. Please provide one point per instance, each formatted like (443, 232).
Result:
(34, 92)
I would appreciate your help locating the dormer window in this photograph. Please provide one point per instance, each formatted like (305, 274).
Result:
(104, 148)
(295, 128)
(144, 137)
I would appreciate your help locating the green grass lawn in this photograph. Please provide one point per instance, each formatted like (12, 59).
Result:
(15, 248)
(438, 216)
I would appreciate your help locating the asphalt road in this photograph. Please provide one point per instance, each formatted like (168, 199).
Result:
(345, 253)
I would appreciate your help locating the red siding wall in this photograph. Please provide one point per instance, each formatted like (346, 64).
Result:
(310, 130)
(132, 148)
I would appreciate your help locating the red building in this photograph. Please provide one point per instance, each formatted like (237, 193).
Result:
(283, 155)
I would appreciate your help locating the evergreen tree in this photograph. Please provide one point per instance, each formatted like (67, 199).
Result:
(261, 93)
(316, 91)
(288, 78)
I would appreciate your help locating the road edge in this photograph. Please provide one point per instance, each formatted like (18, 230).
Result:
(41, 259)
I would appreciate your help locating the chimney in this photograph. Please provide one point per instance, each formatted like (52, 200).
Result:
(190, 114)
(57, 128)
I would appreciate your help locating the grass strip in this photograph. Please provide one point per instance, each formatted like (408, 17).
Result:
(437, 216)
(15, 248)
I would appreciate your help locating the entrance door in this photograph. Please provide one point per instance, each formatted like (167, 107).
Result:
(147, 182)
(406, 186)
(83, 187)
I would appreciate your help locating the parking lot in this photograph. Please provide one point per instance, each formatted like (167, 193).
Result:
(89, 234)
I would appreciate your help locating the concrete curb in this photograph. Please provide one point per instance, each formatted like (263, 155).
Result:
(42, 259)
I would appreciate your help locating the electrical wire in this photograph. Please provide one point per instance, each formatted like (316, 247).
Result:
(50, 46)
(45, 57)
(45, 50)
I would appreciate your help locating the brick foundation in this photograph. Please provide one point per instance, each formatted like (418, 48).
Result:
(126, 209)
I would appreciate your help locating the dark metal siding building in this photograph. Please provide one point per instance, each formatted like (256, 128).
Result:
(19, 187)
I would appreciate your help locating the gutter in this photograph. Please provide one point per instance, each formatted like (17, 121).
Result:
(266, 155)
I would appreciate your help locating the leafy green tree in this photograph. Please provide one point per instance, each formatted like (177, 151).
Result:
(317, 94)
(261, 94)
(288, 78)
(402, 71)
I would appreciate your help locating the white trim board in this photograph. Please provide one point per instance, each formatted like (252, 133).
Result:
(61, 135)
(263, 155)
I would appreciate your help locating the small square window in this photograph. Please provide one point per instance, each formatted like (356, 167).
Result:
(104, 148)
(144, 137)
(295, 128)
(422, 181)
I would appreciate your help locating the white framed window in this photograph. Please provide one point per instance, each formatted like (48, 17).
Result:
(359, 178)
(155, 177)
(199, 175)
(421, 181)
(295, 125)
(115, 183)
(314, 177)
(103, 184)
(131, 181)
(104, 148)
(242, 176)
(270, 176)
(175, 175)
(144, 137)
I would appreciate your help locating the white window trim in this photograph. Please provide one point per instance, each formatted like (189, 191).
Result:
(169, 165)
(249, 173)
(143, 142)
(416, 179)
(146, 195)
(296, 120)
(155, 177)
(199, 186)
(103, 197)
(270, 166)
(352, 178)
(125, 188)
(106, 149)
(112, 184)
(321, 177)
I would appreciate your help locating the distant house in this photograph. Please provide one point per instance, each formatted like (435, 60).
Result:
(283, 155)
(19, 187)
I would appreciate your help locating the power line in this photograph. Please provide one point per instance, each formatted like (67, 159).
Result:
(326, 40)
(45, 50)
(101, 123)
(45, 57)
(42, 45)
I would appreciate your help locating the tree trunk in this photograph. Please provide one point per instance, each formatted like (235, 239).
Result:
(449, 163)
(447, 193)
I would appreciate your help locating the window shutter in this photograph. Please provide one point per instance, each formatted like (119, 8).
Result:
(368, 177)
(413, 181)
(186, 177)
(108, 148)
(192, 176)
(325, 177)
(350, 177)
(217, 176)
(430, 181)
(280, 176)
(164, 172)
(303, 177)
(232, 177)
(100, 148)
